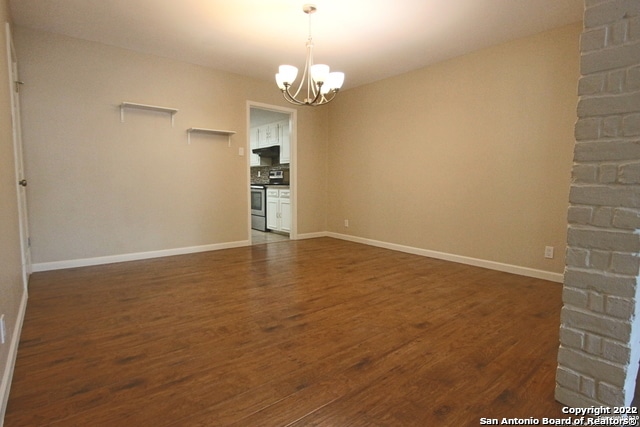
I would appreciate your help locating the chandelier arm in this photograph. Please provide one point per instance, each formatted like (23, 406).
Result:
(303, 78)
(295, 95)
(305, 72)
(320, 99)
(328, 100)
(292, 100)
(311, 89)
(288, 97)
(317, 96)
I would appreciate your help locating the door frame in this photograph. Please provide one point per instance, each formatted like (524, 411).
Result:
(293, 165)
(16, 125)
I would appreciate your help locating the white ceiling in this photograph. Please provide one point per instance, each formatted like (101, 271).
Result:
(367, 39)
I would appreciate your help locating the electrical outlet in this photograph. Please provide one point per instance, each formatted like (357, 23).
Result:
(548, 251)
(3, 330)
(346, 223)
(240, 151)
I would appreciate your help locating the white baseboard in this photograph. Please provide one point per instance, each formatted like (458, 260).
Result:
(492, 265)
(5, 385)
(311, 235)
(84, 262)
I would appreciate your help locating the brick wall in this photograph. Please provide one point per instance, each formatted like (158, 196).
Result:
(599, 333)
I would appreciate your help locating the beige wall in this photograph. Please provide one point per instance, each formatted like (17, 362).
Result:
(470, 157)
(312, 169)
(99, 187)
(11, 290)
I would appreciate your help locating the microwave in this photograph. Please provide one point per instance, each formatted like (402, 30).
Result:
(279, 176)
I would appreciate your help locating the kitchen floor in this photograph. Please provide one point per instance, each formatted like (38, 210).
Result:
(259, 237)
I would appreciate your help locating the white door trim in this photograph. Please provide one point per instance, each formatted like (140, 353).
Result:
(293, 166)
(14, 89)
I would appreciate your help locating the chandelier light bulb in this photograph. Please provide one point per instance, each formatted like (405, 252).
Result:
(288, 73)
(333, 83)
(319, 73)
(335, 80)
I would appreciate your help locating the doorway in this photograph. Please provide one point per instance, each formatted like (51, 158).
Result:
(272, 173)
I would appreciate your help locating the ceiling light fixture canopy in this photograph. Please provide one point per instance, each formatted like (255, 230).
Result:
(321, 84)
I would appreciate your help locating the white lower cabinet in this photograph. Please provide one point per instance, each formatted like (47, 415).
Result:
(285, 211)
(279, 209)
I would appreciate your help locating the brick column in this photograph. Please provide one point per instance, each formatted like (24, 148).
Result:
(600, 332)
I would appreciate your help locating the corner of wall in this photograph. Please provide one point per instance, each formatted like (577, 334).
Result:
(600, 331)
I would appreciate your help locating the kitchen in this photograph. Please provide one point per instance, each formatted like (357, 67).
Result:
(270, 159)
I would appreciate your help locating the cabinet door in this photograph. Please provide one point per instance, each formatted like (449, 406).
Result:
(254, 160)
(285, 143)
(253, 142)
(262, 136)
(273, 133)
(285, 210)
(272, 209)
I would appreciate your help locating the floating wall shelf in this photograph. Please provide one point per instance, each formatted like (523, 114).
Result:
(226, 133)
(124, 105)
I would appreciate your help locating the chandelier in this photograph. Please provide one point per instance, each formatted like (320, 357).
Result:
(319, 84)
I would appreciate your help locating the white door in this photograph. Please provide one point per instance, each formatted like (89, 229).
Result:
(21, 182)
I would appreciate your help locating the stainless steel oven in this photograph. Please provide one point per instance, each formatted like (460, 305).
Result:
(258, 207)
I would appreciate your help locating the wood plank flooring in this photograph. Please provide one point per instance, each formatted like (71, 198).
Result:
(317, 332)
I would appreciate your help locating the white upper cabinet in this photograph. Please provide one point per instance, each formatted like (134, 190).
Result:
(268, 135)
(276, 133)
(253, 143)
(272, 134)
(285, 142)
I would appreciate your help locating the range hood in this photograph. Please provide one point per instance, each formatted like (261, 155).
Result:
(268, 152)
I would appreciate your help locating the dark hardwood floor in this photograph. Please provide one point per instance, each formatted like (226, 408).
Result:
(317, 332)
